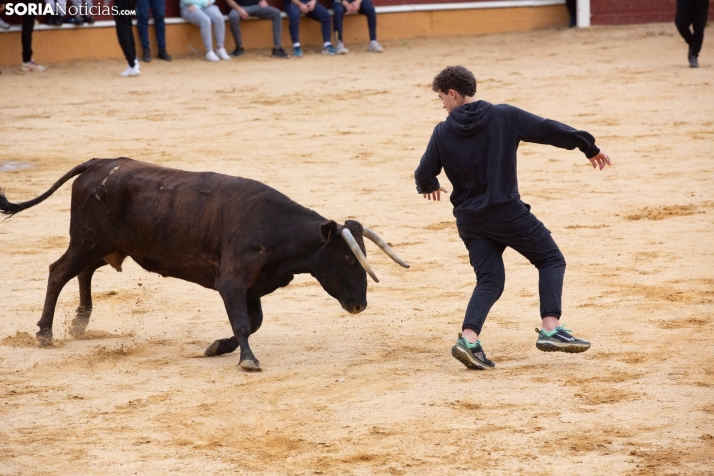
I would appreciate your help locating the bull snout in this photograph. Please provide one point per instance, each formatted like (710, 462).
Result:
(354, 307)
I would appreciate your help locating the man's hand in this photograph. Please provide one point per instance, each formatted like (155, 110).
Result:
(601, 159)
(311, 5)
(436, 196)
(263, 3)
(303, 8)
(243, 14)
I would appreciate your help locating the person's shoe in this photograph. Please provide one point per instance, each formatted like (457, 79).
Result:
(223, 54)
(3, 24)
(693, 61)
(74, 20)
(329, 50)
(32, 67)
(146, 56)
(559, 340)
(211, 56)
(163, 55)
(131, 71)
(573, 22)
(341, 50)
(237, 52)
(471, 355)
(375, 47)
(297, 51)
(279, 52)
(88, 19)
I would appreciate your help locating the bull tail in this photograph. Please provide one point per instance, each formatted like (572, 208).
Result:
(7, 208)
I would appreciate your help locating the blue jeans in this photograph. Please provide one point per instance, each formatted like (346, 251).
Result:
(320, 14)
(366, 8)
(486, 242)
(158, 8)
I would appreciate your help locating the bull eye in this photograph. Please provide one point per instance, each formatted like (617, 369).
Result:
(350, 260)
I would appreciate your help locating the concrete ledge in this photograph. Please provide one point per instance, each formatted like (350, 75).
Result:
(98, 41)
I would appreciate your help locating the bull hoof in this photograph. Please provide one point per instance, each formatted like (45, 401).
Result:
(78, 327)
(44, 337)
(212, 349)
(250, 365)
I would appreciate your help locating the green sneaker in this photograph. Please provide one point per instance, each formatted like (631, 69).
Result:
(559, 340)
(471, 355)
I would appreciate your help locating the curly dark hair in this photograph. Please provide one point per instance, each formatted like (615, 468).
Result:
(457, 78)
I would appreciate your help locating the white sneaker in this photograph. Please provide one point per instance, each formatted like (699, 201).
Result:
(32, 67)
(4, 25)
(132, 70)
(341, 50)
(223, 54)
(211, 56)
(375, 47)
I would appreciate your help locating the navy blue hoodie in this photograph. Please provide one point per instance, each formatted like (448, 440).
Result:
(477, 145)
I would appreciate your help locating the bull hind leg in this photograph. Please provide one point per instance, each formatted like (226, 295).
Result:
(71, 263)
(84, 311)
(226, 346)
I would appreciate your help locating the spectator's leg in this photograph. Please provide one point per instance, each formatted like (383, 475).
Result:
(683, 18)
(293, 14)
(28, 25)
(234, 23)
(367, 9)
(124, 33)
(572, 11)
(158, 9)
(203, 21)
(142, 23)
(339, 11)
(219, 24)
(700, 12)
(273, 14)
(320, 13)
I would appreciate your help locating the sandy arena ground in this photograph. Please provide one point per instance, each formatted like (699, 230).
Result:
(378, 392)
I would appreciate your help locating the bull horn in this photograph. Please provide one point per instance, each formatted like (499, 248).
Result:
(352, 243)
(367, 233)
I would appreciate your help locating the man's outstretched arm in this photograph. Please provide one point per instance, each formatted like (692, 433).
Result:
(532, 128)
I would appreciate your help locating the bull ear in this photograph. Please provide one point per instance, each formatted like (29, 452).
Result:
(329, 230)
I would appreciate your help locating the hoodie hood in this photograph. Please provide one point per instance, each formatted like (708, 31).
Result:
(470, 118)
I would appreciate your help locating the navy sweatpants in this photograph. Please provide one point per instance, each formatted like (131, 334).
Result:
(486, 242)
(366, 8)
(319, 13)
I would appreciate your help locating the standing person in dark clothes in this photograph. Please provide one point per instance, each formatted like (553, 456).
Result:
(692, 13)
(476, 146)
(158, 10)
(28, 26)
(244, 9)
(573, 12)
(122, 22)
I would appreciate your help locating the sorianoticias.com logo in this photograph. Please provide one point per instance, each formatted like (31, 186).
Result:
(63, 9)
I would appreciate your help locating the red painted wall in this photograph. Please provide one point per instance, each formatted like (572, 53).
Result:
(626, 12)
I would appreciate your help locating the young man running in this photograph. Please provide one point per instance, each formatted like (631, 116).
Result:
(476, 146)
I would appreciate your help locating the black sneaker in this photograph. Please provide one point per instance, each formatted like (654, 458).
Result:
(237, 52)
(471, 355)
(560, 340)
(164, 55)
(88, 19)
(693, 61)
(74, 20)
(279, 52)
(146, 56)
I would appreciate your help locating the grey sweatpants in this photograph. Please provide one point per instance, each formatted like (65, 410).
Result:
(258, 12)
(203, 17)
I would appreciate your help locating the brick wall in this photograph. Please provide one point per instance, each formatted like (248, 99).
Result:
(625, 12)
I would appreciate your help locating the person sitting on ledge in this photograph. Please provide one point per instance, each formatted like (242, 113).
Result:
(244, 9)
(203, 13)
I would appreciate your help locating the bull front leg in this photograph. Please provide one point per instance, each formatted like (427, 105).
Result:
(226, 346)
(234, 298)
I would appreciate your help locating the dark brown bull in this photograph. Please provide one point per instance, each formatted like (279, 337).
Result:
(235, 235)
